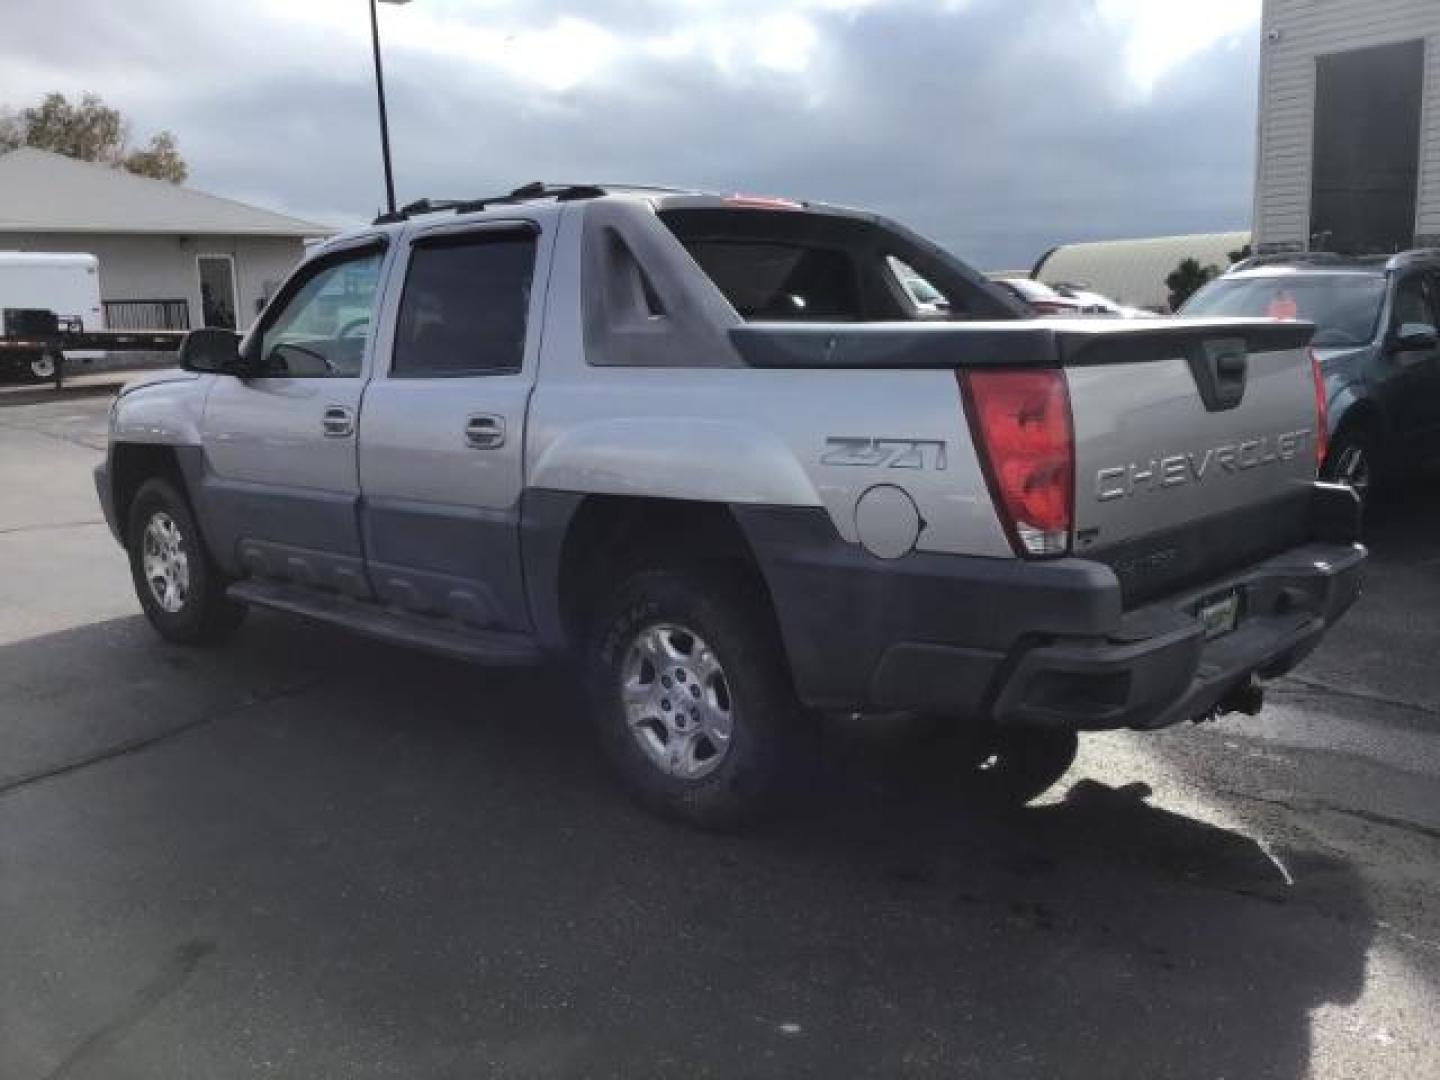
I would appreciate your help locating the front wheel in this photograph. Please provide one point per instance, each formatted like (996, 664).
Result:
(1351, 461)
(180, 589)
(690, 696)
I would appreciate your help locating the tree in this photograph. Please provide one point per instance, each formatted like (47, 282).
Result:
(91, 131)
(1186, 278)
(160, 160)
(1238, 256)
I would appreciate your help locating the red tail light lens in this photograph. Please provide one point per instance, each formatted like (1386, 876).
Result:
(1322, 412)
(1021, 424)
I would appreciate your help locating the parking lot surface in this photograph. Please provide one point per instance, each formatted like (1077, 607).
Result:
(311, 855)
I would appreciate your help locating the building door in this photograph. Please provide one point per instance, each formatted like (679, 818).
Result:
(218, 302)
(1366, 154)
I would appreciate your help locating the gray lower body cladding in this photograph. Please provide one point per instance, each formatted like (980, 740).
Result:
(1045, 643)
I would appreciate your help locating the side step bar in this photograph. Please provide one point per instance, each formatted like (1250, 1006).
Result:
(401, 628)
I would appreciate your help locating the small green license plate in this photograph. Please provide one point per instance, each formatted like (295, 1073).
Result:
(1219, 614)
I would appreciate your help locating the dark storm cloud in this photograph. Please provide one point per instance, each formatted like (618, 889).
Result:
(999, 128)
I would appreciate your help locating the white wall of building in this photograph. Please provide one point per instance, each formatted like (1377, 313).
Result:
(154, 267)
(1293, 34)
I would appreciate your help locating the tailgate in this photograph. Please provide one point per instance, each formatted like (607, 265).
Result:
(1195, 447)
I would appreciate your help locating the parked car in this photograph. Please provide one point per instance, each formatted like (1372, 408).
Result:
(1101, 303)
(1377, 341)
(705, 449)
(1043, 300)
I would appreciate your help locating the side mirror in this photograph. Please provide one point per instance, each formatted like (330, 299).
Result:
(211, 350)
(1414, 335)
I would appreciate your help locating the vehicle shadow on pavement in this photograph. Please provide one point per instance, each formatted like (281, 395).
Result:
(348, 859)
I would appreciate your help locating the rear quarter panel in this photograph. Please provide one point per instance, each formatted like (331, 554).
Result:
(782, 438)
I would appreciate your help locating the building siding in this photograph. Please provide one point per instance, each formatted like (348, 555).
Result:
(146, 267)
(1293, 34)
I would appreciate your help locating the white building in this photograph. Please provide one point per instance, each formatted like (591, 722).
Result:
(1134, 271)
(170, 257)
(1348, 153)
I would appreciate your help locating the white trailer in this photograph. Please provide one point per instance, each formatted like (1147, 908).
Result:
(63, 283)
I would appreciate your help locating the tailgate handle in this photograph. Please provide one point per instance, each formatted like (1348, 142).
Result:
(1220, 366)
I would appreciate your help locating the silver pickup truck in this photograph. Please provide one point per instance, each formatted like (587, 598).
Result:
(713, 450)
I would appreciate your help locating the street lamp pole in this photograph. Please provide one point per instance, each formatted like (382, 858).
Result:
(380, 94)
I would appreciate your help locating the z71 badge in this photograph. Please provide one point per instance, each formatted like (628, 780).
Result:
(884, 453)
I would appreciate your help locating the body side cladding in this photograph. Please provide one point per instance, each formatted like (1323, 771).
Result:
(545, 520)
(842, 611)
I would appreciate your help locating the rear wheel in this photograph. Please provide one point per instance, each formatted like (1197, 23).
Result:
(690, 696)
(179, 587)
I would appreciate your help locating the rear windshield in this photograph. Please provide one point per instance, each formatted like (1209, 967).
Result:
(782, 281)
(794, 266)
(1345, 308)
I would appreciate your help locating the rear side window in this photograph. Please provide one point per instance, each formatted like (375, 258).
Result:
(464, 308)
(802, 266)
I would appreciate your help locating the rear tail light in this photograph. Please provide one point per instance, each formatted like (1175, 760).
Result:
(1322, 412)
(1020, 421)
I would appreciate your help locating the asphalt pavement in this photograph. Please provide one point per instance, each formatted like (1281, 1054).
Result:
(310, 855)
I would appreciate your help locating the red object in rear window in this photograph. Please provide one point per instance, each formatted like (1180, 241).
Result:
(1322, 412)
(1021, 424)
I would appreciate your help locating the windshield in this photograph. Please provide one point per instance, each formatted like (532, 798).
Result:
(1345, 308)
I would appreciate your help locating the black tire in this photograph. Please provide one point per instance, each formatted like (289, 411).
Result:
(34, 368)
(728, 616)
(203, 613)
(1353, 459)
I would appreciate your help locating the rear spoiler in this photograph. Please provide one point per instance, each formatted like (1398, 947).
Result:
(1022, 343)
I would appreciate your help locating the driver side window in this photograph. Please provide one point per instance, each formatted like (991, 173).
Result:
(322, 328)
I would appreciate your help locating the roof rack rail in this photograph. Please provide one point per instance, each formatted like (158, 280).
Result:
(1305, 258)
(536, 189)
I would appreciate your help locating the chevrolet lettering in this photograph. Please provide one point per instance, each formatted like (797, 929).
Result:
(1121, 481)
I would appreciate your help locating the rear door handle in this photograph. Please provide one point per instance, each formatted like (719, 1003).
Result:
(485, 431)
(338, 422)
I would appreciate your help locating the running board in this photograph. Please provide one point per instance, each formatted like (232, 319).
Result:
(400, 628)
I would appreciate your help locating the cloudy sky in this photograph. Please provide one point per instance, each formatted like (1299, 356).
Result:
(998, 127)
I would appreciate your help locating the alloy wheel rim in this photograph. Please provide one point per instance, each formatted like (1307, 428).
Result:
(166, 562)
(1353, 469)
(43, 367)
(677, 701)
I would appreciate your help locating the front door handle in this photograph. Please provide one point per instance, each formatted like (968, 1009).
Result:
(484, 431)
(338, 422)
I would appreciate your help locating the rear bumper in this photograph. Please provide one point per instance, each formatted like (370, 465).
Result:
(1044, 643)
(1158, 668)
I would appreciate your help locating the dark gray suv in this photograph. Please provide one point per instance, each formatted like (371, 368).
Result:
(1375, 337)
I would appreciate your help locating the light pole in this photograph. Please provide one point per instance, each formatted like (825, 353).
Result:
(380, 94)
